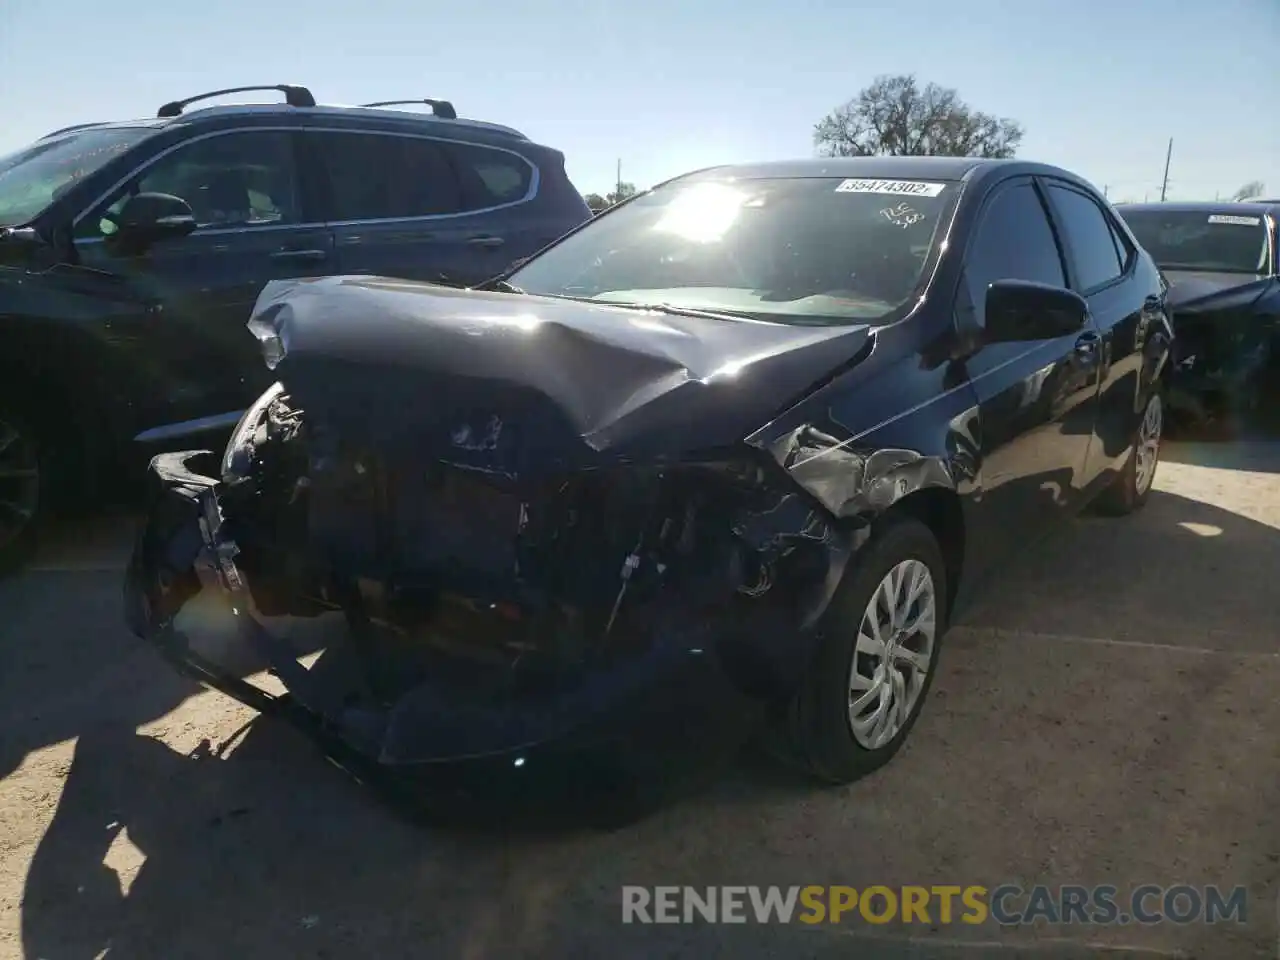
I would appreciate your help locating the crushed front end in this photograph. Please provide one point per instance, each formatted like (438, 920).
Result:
(618, 622)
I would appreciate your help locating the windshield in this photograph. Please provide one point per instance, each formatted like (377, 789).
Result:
(1199, 240)
(795, 250)
(35, 176)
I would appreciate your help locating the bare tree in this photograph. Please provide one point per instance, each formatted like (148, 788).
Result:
(895, 116)
(1254, 188)
(624, 191)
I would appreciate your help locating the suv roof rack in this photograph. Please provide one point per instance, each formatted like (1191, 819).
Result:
(294, 96)
(440, 108)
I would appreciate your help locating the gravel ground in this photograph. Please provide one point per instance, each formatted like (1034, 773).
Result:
(1107, 716)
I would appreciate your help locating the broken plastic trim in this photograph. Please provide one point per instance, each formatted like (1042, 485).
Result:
(237, 458)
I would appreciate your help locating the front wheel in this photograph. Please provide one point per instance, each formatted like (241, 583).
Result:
(878, 653)
(1132, 488)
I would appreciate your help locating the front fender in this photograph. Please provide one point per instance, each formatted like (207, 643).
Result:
(862, 445)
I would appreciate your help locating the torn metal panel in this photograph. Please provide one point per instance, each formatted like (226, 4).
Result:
(529, 605)
(571, 383)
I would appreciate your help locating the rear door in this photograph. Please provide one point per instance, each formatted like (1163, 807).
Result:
(244, 190)
(418, 207)
(1101, 264)
(1038, 398)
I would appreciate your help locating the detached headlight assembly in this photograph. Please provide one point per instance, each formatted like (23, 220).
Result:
(238, 456)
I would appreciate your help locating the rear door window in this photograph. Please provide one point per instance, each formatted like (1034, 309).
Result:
(1090, 237)
(375, 176)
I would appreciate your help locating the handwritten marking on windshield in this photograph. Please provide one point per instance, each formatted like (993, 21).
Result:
(902, 215)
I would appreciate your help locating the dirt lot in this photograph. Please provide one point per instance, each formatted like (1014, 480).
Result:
(1110, 716)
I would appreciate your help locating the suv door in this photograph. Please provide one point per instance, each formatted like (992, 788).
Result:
(1101, 263)
(428, 213)
(1037, 399)
(243, 188)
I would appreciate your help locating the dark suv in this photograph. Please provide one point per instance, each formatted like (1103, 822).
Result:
(131, 254)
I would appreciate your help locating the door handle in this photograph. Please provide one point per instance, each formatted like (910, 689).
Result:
(489, 243)
(309, 254)
(1087, 347)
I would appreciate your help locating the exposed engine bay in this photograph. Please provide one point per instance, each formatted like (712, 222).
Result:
(510, 590)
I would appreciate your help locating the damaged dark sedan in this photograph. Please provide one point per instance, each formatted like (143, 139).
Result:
(725, 459)
(1222, 263)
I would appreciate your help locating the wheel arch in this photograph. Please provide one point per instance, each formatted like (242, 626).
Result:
(938, 508)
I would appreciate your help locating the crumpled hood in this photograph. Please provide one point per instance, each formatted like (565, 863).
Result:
(1194, 290)
(510, 383)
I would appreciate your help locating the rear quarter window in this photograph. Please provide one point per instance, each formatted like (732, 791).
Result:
(490, 178)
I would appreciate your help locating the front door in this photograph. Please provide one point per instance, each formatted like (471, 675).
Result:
(1037, 399)
(244, 191)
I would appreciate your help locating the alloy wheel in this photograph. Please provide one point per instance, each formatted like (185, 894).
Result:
(19, 483)
(1147, 450)
(893, 654)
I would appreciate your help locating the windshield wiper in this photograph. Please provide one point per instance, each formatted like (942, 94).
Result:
(672, 309)
(505, 286)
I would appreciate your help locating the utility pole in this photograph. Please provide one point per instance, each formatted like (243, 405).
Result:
(1167, 157)
(1106, 192)
(617, 196)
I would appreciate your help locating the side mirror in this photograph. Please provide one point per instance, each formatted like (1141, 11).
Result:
(1019, 310)
(149, 218)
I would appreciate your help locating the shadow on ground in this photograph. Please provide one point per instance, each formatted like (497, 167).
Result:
(1038, 760)
(1182, 572)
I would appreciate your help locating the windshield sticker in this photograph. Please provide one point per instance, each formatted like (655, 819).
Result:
(1232, 218)
(902, 215)
(910, 188)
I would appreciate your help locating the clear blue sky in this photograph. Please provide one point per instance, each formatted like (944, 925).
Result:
(670, 86)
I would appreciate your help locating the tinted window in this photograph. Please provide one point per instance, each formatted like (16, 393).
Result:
(807, 250)
(1014, 242)
(1227, 242)
(490, 178)
(380, 177)
(1092, 244)
(230, 180)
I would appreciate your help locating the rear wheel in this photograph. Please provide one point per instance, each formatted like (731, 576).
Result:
(1132, 488)
(23, 488)
(879, 651)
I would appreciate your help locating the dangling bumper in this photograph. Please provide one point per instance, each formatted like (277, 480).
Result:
(663, 714)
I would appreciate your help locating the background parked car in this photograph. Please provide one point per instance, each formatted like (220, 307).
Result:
(740, 445)
(1222, 261)
(122, 312)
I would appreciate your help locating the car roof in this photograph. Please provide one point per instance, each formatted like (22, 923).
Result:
(404, 118)
(1245, 207)
(882, 168)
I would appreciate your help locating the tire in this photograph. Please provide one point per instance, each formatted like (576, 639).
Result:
(1132, 487)
(820, 731)
(24, 488)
